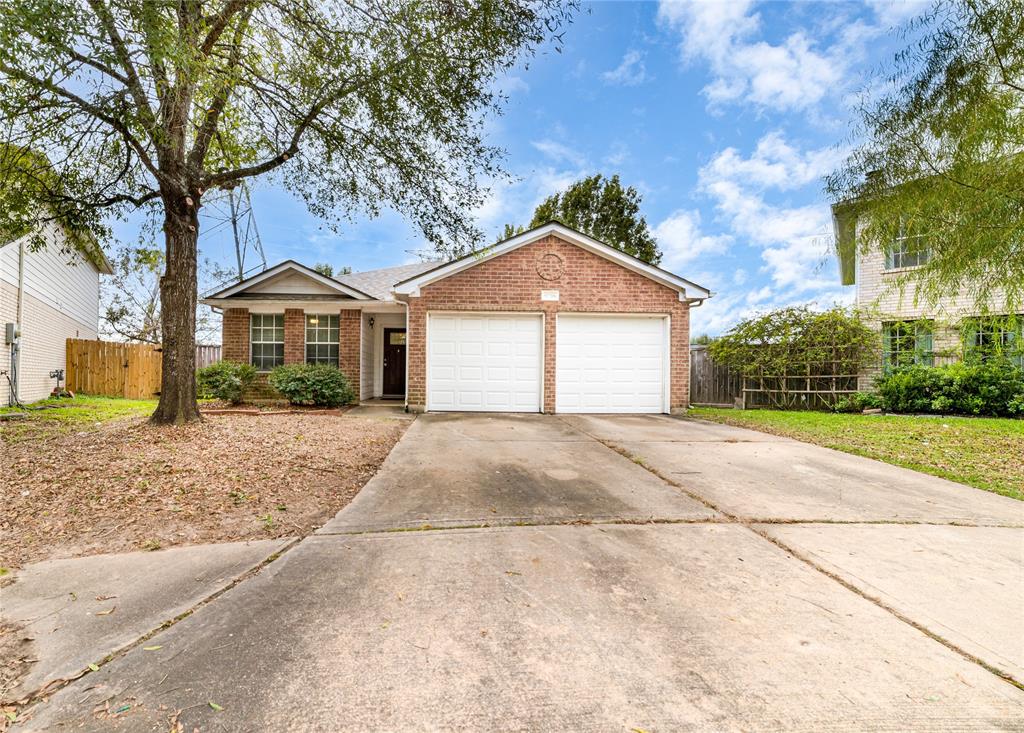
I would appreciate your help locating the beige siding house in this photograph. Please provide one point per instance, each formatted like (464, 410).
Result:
(48, 296)
(911, 331)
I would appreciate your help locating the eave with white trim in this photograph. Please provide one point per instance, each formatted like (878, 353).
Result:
(241, 295)
(688, 291)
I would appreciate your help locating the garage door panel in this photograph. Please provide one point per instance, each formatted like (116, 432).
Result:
(484, 362)
(610, 364)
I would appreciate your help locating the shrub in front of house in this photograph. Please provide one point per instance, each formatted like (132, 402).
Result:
(858, 402)
(312, 384)
(994, 387)
(225, 380)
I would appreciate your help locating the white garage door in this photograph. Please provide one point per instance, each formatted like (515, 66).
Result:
(484, 362)
(611, 364)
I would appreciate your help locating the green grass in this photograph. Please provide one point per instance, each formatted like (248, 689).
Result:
(987, 453)
(79, 413)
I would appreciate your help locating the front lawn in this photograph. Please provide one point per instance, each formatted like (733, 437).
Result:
(94, 476)
(62, 414)
(987, 453)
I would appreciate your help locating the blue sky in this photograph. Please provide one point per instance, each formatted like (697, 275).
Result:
(725, 115)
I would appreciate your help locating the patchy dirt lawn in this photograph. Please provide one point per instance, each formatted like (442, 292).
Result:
(126, 485)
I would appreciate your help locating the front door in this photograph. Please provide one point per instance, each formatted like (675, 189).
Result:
(394, 363)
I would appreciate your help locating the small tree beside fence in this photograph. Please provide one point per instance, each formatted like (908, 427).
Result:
(796, 358)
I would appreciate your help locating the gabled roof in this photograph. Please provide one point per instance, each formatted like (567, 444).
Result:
(239, 288)
(378, 283)
(685, 287)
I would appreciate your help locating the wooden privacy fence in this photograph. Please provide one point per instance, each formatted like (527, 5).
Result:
(113, 369)
(710, 382)
(206, 355)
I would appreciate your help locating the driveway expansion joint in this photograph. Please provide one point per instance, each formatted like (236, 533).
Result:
(750, 525)
(40, 695)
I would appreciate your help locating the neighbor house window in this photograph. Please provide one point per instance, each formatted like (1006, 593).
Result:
(905, 343)
(322, 339)
(266, 337)
(985, 338)
(907, 251)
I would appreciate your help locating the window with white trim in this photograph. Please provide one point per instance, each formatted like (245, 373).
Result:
(907, 251)
(322, 339)
(266, 340)
(995, 336)
(905, 343)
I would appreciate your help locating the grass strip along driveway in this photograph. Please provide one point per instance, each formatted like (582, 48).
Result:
(987, 453)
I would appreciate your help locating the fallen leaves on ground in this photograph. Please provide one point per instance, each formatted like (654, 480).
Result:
(128, 485)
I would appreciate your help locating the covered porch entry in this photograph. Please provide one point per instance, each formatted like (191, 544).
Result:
(383, 355)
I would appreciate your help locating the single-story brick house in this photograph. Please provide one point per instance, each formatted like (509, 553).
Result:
(550, 320)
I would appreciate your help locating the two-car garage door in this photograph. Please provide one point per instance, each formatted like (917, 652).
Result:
(494, 362)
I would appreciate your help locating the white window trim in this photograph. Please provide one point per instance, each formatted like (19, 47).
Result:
(306, 342)
(262, 327)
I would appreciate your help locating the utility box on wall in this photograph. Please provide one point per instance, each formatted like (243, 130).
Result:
(11, 333)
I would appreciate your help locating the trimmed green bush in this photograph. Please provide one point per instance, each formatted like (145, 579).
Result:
(225, 380)
(312, 384)
(858, 402)
(994, 387)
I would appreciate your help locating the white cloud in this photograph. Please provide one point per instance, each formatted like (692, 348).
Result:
(559, 152)
(794, 74)
(682, 241)
(775, 163)
(794, 240)
(631, 72)
(513, 84)
(896, 12)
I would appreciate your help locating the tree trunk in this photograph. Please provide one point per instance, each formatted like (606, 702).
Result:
(178, 313)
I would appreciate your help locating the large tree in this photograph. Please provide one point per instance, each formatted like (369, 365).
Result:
(110, 105)
(938, 163)
(602, 208)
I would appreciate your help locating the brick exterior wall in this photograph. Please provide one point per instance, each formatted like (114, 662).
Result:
(235, 344)
(349, 344)
(511, 282)
(294, 336)
(235, 335)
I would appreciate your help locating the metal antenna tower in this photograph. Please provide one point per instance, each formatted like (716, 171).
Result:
(233, 208)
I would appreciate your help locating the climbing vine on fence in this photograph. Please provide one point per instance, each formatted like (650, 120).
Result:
(797, 357)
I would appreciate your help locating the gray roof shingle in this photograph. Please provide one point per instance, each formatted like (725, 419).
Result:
(378, 283)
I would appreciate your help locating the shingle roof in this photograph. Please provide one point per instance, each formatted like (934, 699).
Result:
(378, 283)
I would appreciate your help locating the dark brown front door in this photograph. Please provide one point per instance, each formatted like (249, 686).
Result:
(394, 362)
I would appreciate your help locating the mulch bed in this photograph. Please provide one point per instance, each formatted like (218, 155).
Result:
(128, 485)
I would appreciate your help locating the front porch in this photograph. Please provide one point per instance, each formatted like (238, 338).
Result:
(382, 362)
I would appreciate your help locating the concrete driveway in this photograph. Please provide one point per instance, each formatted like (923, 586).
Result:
(604, 573)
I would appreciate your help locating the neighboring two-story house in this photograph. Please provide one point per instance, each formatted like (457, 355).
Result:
(913, 331)
(46, 297)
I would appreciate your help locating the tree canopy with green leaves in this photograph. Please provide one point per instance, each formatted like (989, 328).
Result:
(938, 166)
(353, 105)
(601, 208)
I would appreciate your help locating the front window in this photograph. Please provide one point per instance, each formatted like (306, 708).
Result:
(985, 338)
(907, 251)
(266, 336)
(322, 339)
(905, 343)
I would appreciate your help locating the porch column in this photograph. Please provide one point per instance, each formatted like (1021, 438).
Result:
(294, 336)
(234, 338)
(350, 340)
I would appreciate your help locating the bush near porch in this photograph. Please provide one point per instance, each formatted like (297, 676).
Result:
(987, 453)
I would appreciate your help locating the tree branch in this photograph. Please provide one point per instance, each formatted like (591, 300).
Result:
(132, 81)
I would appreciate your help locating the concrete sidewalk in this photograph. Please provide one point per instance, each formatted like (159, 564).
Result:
(79, 611)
